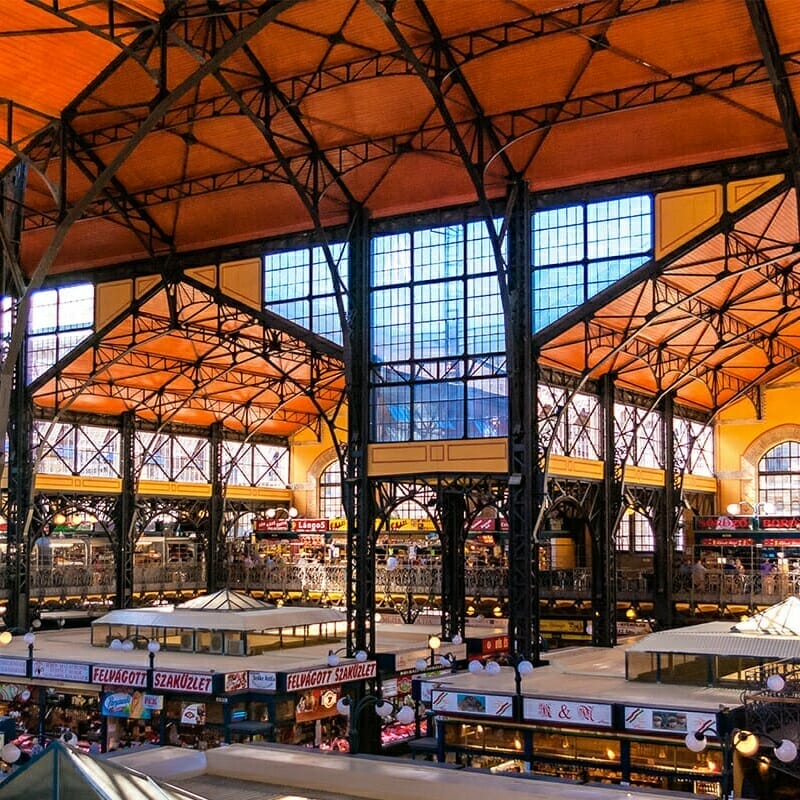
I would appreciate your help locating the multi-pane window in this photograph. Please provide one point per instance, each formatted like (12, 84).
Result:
(582, 249)
(638, 436)
(437, 336)
(77, 450)
(60, 319)
(173, 458)
(246, 464)
(330, 492)
(635, 534)
(569, 425)
(779, 478)
(298, 285)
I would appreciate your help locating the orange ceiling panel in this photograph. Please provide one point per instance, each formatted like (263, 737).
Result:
(565, 93)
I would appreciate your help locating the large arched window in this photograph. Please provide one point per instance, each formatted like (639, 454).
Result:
(779, 478)
(330, 492)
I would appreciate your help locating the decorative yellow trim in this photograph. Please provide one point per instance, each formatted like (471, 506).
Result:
(740, 193)
(72, 484)
(463, 456)
(110, 300)
(700, 483)
(682, 215)
(146, 283)
(174, 488)
(576, 468)
(205, 275)
(258, 493)
(242, 280)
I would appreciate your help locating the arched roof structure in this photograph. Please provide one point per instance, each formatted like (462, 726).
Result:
(152, 132)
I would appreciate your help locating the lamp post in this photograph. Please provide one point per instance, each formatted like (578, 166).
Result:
(383, 708)
(334, 656)
(758, 509)
(745, 743)
(281, 511)
(152, 648)
(522, 667)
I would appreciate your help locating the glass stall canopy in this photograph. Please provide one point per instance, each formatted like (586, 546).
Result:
(224, 623)
(64, 772)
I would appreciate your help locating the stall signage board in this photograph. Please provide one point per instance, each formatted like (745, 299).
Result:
(484, 705)
(494, 644)
(119, 676)
(567, 712)
(267, 681)
(192, 682)
(328, 676)
(235, 681)
(13, 666)
(62, 671)
(669, 720)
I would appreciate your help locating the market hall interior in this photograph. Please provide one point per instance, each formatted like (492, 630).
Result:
(393, 309)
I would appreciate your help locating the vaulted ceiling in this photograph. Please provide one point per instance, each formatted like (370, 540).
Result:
(149, 129)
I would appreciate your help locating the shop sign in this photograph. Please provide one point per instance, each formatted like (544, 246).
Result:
(268, 681)
(597, 715)
(316, 704)
(119, 676)
(124, 705)
(494, 644)
(666, 720)
(491, 524)
(485, 705)
(153, 702)
(13, 666)
(193, 714)
(327, 676)
(561, 626)
(235, 681)
(62, 671)
(182, 682)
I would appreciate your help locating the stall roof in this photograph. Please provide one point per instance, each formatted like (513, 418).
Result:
(774, 633)
(268, 618)
(61, 771)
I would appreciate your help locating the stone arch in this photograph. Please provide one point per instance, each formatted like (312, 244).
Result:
(789, 432)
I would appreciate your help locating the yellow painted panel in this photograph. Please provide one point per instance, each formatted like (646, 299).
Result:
(478, 455)
(576, 467)
(110, 300)
(205, 275)
(173, 488)
(242, 280)
(398, 453)
(683, 214)
(740, 193)
(700, 483)
(258, 493)
(644, 476)
(75, 483)
(145, 284)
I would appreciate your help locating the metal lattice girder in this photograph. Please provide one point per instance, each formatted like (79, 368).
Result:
(234, 357)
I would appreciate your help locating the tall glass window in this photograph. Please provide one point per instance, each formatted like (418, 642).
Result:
(779, 478)
(247, 464)
(298, 285)
(330, 492)
(582, 249)
(60, 319)
(438, 336)
(66, 449)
